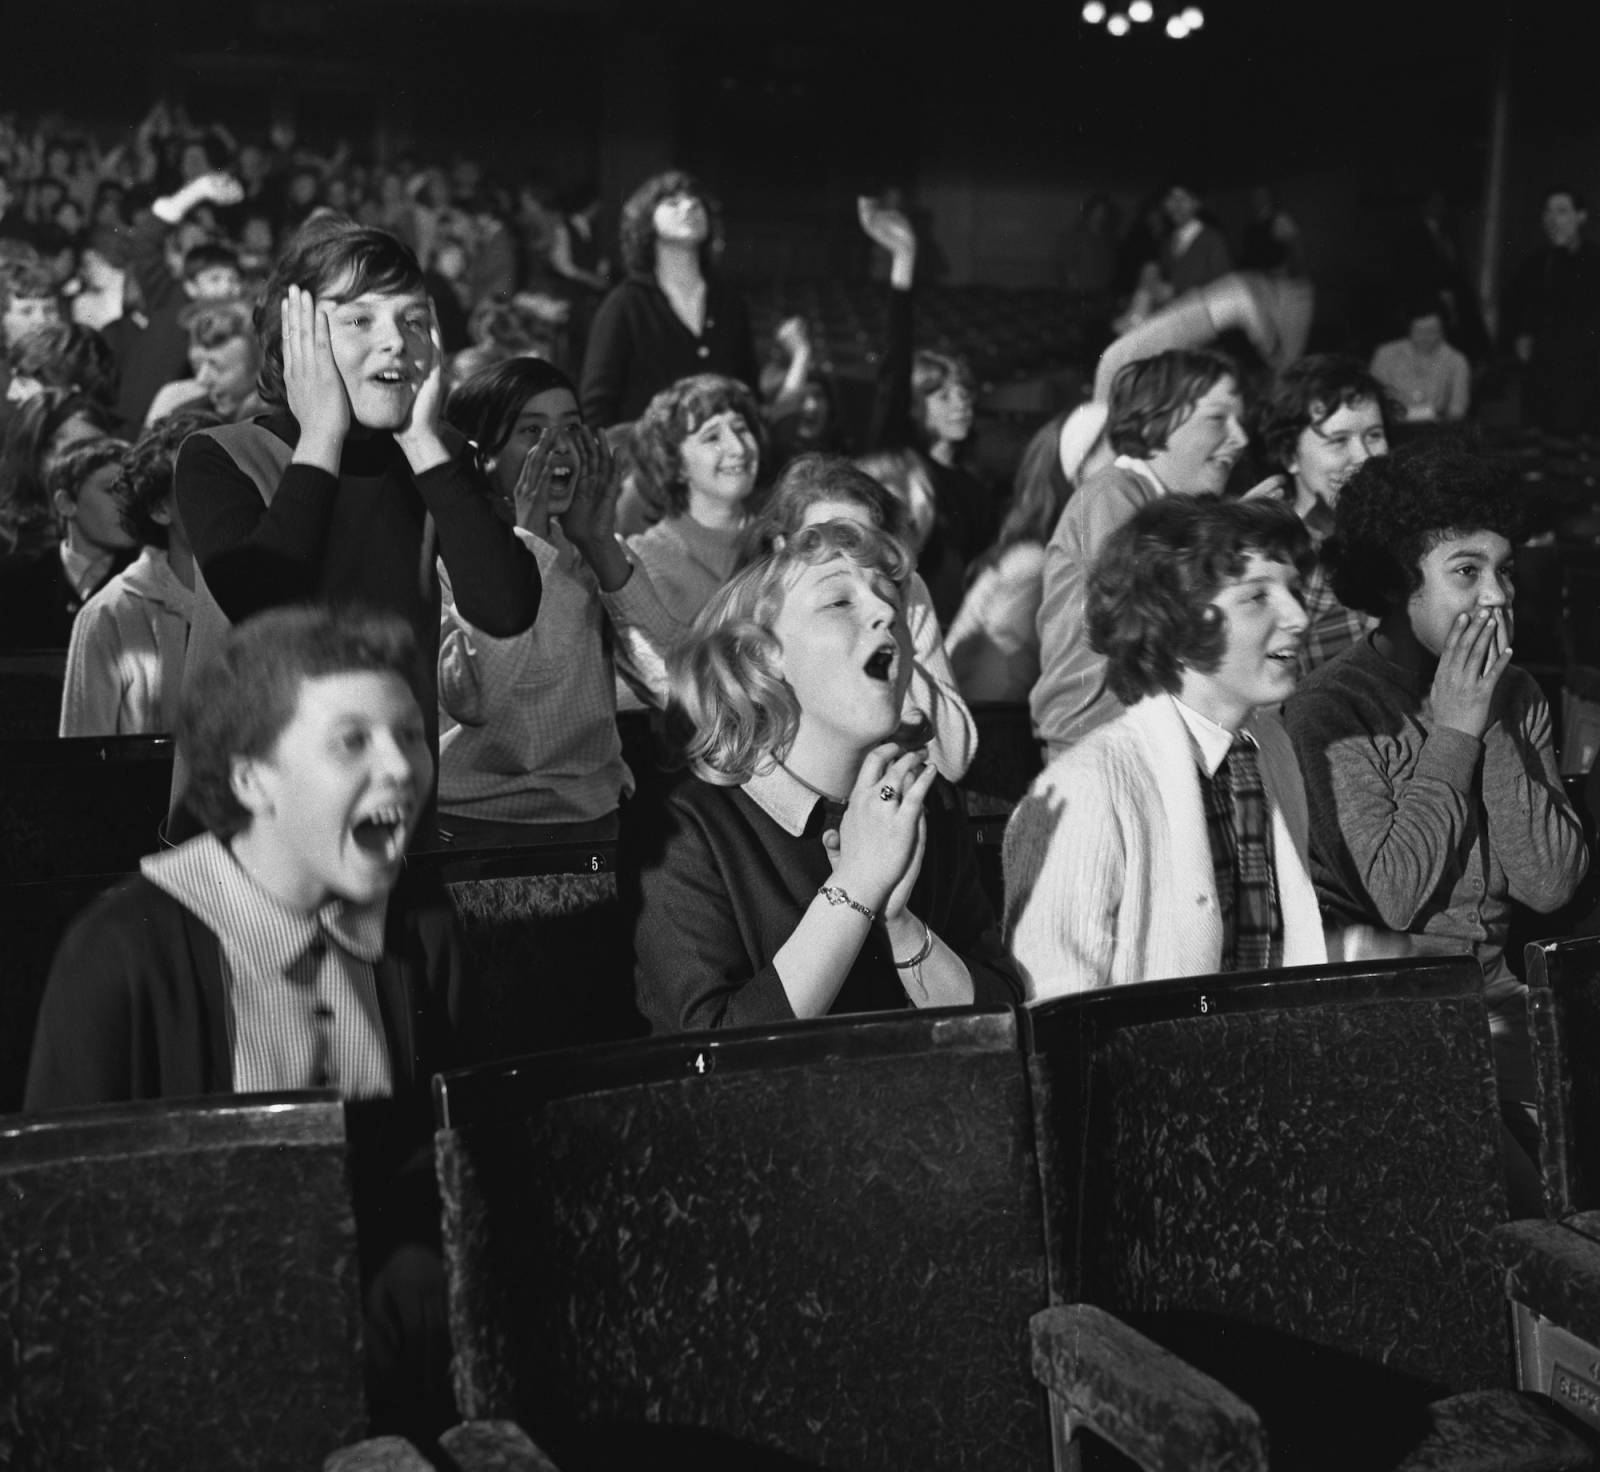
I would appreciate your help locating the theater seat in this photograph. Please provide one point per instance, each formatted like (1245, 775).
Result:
(1292, 1182)
(812, 1245)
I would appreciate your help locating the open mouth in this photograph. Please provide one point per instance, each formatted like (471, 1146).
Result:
(880, 664)
(382, 832)
(391, 378)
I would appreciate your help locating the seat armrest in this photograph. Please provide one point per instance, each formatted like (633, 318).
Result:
(1553, 1270)
(1144, 1400)
(493, 1446)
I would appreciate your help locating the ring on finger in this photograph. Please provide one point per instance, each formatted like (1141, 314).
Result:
(888, 793)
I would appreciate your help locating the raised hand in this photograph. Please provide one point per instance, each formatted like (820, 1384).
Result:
(312, 382)
(424, 437)
(1476, 654)
(884, 226)
(793, 336)
(880, 838)
(590, 519)
(219, 187)
(531, 494)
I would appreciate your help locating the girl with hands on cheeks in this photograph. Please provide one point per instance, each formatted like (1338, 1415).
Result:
(349, 488)
(813, 865)
(534, 734)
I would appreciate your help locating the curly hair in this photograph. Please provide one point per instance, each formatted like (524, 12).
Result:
(671, 417)
(146, 479)
(636, 232)
(811, 479)
(1151, 589)
(328, 251)
(1310, 393)
(1399, 507)
(1151, 397)
(725, 675)
(242, 701)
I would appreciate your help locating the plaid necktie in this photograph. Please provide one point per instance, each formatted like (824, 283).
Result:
(1258, 921)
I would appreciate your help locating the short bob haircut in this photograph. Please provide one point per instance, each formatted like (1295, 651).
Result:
(329, 256)
(724, 674)
(1312, 392)
(930, 372)
(1152, 396)
(1150, 594)
(811, 479)
(636, 231)
(243, 700)
(485, 406)
(671, 417)
(1398, 508)
(146, 479)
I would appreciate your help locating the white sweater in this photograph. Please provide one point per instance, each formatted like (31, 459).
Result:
(1108, 871)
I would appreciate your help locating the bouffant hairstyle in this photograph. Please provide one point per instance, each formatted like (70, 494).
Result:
(810, 479)
(145, 483)
(1312, 392)
(241, 701)
(725, 676)
(1152, 396)
(671, 417)
(1150, 593)
(329, 256)
(636, 232)
(1398, 508)
(485, 406)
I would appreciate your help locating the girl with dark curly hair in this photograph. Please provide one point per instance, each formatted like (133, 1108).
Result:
(1432, 783)
(672, 316)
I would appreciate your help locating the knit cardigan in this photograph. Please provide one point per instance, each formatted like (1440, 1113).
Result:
(1108, 871)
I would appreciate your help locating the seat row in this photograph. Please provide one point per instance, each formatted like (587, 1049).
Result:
(1234, 1222)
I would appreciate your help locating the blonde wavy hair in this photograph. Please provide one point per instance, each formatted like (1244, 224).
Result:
(725, 674)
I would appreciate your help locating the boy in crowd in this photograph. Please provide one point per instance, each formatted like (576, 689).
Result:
(1172, 842)
(125, 661)
(285, 948)
(1174, 423)
(42, 590)
(1427, 758)
(29, 301)
(1327, 419)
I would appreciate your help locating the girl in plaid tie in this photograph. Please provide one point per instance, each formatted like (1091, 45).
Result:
(1172, 842)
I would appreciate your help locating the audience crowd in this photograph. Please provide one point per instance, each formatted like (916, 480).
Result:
(384, 488)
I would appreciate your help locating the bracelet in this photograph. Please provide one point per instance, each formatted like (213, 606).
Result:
(922, 955)
(836, 896)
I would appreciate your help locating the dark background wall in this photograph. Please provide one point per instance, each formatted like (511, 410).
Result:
(999, 117)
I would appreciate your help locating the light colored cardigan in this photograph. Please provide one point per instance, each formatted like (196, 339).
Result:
(1108, 872)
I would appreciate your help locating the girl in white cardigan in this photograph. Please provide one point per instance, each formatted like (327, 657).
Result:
(1109, 866)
